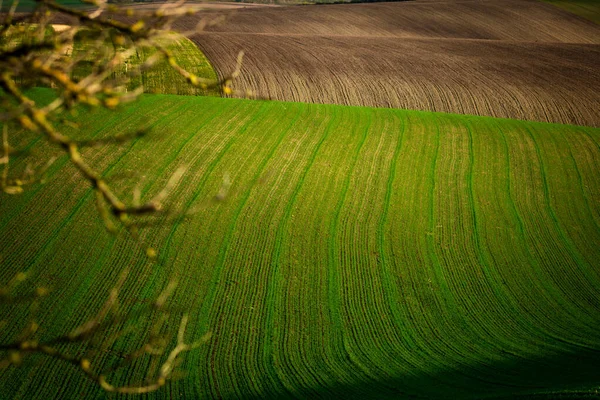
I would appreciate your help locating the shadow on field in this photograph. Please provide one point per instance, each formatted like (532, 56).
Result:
(572, 375)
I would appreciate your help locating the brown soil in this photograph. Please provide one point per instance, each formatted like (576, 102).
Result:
(506, 58)
(520, 20)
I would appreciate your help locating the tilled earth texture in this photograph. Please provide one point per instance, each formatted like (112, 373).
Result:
(520, 59)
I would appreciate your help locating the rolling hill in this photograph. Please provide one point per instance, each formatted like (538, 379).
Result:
(359, 253)
(514, 59)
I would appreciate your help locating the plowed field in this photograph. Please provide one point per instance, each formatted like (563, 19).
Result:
(360, 253)
(516, 59)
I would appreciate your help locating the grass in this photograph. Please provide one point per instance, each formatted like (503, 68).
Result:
(360, 253)
(589, 9)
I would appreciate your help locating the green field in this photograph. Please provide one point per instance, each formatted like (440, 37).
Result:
(160, 78)
(29, 5)
(589, 9)
(360, 253)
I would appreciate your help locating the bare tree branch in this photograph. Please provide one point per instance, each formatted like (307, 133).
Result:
(32, 52)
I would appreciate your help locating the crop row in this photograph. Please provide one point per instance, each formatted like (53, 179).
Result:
(357, 253)
(160, 78)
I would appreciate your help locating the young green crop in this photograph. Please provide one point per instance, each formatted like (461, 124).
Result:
(334, 252)
(160, 78)
(589, 9)
(30, 5)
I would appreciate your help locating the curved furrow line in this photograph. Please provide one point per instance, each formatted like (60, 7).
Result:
(461, 273)
(586, 158)
(451, 232)
(281, 300)
(482, 260)
(586, 277)
(258, 283)
(277, 308)
(391, 294)
(213, 252)
(525, 182)
(56, 235)
(591, 237)
(418, 311)
(375, 221)
(455, 245)
(544, 292)
(421, 317)
(328, 175)
(338, 259)
(373, 337)
(39, 209)
(108, 277)
(518, 292)
(593, 138)
(538, 237)
(365, 209)
(500, 324)
(441, 281)
(331, 160)
(228, 245)
(218, 154)
(84, 277)
(583, 280)
(514, 297)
